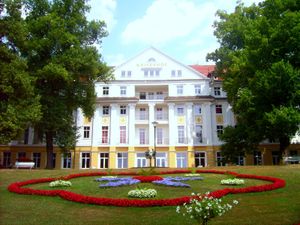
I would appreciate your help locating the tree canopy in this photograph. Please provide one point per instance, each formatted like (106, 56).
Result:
(60, 57)
(259, 61)
(19, 105)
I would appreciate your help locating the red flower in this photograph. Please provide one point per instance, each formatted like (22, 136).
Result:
(147, 179)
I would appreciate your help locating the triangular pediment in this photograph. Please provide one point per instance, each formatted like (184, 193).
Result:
(151, 64)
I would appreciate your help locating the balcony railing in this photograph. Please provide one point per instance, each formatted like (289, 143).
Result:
(149, 97)
(161, 116)
(142, 116)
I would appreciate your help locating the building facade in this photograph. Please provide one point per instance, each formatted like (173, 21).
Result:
(154, 102)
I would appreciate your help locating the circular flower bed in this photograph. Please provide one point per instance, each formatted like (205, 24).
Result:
(142, 193)
(17, 187)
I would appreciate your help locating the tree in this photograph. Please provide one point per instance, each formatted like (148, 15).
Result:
(259, 61)
(62, 58)
(19, 105)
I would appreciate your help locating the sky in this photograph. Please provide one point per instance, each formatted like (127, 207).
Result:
(181, 29)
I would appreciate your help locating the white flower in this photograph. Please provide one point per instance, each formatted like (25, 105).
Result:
(235, 202)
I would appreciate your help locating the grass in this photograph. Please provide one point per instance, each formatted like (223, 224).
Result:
(280, 207)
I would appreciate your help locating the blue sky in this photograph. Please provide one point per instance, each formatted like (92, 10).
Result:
(181, 29)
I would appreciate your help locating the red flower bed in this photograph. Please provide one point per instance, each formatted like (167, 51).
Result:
(147, 179)
(18, 188)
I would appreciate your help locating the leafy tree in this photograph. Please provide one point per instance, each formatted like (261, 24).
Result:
(19, 106)
(259, 61)
(62, 58)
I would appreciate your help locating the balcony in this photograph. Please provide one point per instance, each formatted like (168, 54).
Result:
(151, 96)
(141, 117)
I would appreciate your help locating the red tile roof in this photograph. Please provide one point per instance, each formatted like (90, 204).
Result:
(204, 69)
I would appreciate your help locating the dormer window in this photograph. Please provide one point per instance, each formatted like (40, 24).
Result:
(217, 91)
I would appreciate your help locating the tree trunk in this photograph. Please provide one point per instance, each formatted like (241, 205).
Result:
(284, 142)
(49, 149)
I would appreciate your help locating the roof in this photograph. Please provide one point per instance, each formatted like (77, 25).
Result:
(204, 69)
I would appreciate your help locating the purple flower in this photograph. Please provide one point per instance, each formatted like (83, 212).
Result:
(118, 181)
(174, 181)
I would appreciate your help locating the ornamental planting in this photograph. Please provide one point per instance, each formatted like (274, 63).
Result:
(18, 187)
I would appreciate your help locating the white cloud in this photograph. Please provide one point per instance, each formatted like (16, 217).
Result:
(167, 20)
(103, 10)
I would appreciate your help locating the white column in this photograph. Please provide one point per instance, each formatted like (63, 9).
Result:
(96, 127)
(114, 125)
(131, 125)
(189, 123)
(151, 119)
(172, 126)
(207, 123)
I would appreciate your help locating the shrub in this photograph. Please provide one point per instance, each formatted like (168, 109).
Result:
(203, 208)
(142, 193)
(60, 183)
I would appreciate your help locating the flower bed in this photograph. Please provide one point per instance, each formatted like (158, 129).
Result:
(17, 187)
(142, 193)
(234, 181)
(117, 181)
(175, 181)
(60, 183)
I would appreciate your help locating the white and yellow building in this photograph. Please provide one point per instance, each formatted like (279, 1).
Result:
(154, 102)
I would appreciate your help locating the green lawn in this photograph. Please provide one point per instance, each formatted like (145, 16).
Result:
(280, 207)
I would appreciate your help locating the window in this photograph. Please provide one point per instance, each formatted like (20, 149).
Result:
(123, 90)
(159, 95)
(122, 160)
(159, 113)
(179, 73)
(179, 89)
(37, 159)
(21, 155)
(128, 73)
(123, 109)
(66, 160)
(146, 73)
(141, 160)
(200, 159)
(217, 91)
(123, 135)
(157, 73)
(142, 136)
(219, 158)
(86, 132)
(219, 130)
(173, 73)
(6, 159)
(197, 89)
(142, 113)
(161, 159)
(240, 160)
(198, 130)
(123, 73)
(180, 111)
(105, 91)
(151, 95)
(181, 160)
(85, 160)
(151, 73)
(197, 109)
(275, 157)
(105, 135)
(103, 160)
(219, 109)
(257, 158)
(180, 130)
(159, 136)
(105, 110)
(142, 95)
